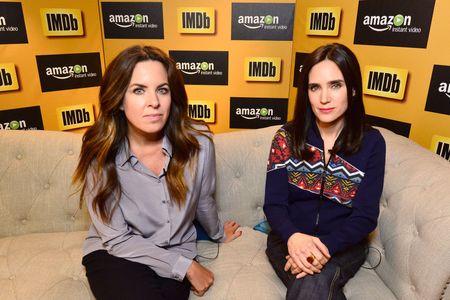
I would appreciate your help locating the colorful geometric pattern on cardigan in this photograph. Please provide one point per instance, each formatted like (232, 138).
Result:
(341, 178)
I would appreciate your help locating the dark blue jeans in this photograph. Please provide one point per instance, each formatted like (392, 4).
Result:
(326, 285)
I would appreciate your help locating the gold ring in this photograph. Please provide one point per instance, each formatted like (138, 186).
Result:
(310, 258)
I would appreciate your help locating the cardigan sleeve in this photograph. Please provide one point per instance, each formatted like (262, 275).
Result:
(277, 187)
(365, 210)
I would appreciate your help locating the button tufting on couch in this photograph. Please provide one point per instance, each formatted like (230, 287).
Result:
(42, 229)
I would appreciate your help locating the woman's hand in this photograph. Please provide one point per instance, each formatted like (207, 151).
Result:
(231, 231)
(200, 278)
(290, 266)
(307, 253)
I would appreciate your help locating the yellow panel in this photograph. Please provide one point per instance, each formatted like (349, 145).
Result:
(202, 110)
(61, 22)
(196, 20)
(8, 77)
(323, 20)
(76, 116)
(262, 68)
(385, 82)
(441, 146)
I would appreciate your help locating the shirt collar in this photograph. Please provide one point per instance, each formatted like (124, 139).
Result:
(125, 154)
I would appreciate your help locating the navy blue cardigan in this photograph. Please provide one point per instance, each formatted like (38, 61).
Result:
(337, 202)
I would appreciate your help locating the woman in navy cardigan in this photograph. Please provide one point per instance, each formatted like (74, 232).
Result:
(324, 180)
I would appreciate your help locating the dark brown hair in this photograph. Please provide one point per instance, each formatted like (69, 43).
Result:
(351, 135)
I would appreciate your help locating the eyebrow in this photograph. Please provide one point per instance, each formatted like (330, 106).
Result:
(144, 86)
(336, 81)
(329, 82)
(138, 85)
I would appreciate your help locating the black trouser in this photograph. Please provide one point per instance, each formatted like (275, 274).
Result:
(328, 283)
(111, 277)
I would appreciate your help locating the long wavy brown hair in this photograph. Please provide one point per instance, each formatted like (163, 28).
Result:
(101, 142)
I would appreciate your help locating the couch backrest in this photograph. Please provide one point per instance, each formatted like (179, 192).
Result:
(413, 233)
(35, 182)
(241, 159)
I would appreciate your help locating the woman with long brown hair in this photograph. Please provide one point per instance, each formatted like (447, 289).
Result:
(146, 171)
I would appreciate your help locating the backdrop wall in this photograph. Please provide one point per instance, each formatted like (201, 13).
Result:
(240, 59)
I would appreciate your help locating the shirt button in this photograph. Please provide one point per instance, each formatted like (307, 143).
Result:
(168, 221)
(164, 201)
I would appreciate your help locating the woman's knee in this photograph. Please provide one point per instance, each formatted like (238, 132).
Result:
(323, 285)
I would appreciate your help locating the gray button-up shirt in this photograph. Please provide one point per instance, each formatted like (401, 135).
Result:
(147, 227)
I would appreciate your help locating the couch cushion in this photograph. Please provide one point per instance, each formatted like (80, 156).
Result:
(43, 266)
(48, 266)
(242, 270)
(367, 285)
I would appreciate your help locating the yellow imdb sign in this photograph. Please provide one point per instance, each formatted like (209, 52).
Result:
(262, 68)
(77, 116)
(202, 110)
(385, 82)
(196, 20)
(323, 21)
(62, 22)
(441, 146)
(8, 78)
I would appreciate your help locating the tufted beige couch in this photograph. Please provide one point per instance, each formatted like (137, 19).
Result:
(42, 229)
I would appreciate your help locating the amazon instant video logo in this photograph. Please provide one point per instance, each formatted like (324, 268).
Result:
(397, 23)
(438, 99)
(12, 24)
(257, 112)
(26, 118)
(262, 21)
(202, 67)
(394, 22)
(133, 20)
(69, 71)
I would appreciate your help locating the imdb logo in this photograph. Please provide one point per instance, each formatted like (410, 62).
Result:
(8, 78)
(385, 82)
(202, 110)
(441, 146)
(199, 20)
(62, 22)
(263, 69)
(76, 116)
(323, 21)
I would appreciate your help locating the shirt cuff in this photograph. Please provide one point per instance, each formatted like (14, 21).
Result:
(180, 268)
(219, 236)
